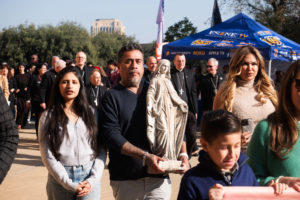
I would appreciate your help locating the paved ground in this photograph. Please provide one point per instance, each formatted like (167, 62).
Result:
(27, 177)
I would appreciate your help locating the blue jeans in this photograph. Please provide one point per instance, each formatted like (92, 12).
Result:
(55, 191)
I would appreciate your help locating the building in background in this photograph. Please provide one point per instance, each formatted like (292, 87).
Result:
(108, 26)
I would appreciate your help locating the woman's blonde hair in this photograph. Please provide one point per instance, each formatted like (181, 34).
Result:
(262, 83)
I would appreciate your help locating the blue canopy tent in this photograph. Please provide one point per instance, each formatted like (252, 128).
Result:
(221, 40)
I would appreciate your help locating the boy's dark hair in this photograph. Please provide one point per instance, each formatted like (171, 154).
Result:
(129, 47)
(218, 122)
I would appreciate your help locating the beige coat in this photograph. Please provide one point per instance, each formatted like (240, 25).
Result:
(4, 86)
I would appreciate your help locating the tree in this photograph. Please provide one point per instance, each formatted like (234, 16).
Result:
(149, 50)
(107, 46)
(281, 16)
(17, 44)
(180, 30)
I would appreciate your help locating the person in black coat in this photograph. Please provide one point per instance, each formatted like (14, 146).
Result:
(95, 91)
(184, 83)
(151, 67)
(210, 84)
(104, 79)
(84, 70)
(34, 91)
(47, 82)
(22, 83)
(9, 137)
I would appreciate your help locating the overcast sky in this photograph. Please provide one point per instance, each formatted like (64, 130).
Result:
(138, 16)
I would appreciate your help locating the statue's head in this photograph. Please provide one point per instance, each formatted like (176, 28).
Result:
(163, 68)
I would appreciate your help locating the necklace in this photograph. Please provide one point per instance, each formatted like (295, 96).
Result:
(181, 91)
(215, 86)
(95, 95)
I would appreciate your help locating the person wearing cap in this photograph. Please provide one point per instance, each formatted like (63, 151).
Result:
(95, 90)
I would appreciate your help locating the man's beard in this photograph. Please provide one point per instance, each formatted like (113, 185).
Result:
(133, 82)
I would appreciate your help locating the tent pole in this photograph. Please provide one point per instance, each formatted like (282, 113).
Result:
(269, 68)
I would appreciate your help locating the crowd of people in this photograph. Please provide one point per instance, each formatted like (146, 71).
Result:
(82, 112)
(27, 88)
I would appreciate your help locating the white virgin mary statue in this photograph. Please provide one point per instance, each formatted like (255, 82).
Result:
(166, 115)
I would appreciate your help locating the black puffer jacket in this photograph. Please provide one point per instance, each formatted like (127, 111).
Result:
(9, 137)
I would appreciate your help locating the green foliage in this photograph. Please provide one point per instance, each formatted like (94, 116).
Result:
(107, 46)
(17, 44)
(180, 30)
(282, 16)
(149, 50)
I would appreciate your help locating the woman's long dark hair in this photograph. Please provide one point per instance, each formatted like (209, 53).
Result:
(284, 130)
(58, 119)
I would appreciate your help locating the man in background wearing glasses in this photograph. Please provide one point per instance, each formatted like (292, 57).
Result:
(210, 84)
(84, 70)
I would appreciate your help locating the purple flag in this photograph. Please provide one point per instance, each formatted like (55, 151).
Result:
(160, 21)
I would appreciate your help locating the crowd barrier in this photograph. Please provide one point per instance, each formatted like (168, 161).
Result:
(250, 193)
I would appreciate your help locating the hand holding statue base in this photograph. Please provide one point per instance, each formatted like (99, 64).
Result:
(171, 165)
(166, 119)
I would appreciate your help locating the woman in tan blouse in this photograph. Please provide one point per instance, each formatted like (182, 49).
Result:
(247, 92)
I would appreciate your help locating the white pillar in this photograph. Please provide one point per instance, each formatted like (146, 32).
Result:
(269, 69)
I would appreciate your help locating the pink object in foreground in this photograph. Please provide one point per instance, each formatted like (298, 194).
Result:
(248, 193)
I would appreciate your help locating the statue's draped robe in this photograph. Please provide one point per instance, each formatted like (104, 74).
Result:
(166, 118)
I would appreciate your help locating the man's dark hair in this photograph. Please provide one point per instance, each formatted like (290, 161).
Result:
(218, 122)
(111, 62)
(178, 54)
(129, 47)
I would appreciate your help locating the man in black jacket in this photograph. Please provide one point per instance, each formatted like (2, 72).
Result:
(134, 170)
(84, 70)
(48, 80)
(95, 91)
(151, 67)
(210, 84)
(184, 83)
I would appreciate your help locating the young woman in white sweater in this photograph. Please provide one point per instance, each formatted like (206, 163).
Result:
(247, 92)
(68, 141)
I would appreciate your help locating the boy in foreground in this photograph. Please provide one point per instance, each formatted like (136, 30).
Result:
(221, 161)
